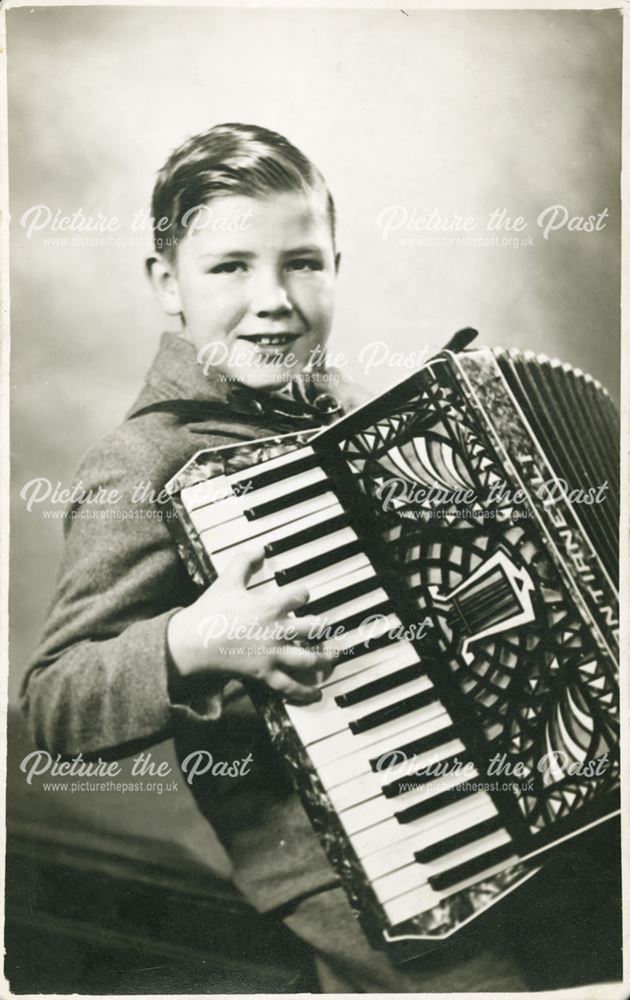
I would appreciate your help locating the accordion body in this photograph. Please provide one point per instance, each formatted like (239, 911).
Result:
(460, 532)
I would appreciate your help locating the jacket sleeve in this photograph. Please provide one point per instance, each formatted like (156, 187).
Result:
(98, 682)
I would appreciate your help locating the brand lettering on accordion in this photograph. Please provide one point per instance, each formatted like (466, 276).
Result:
(572, 543)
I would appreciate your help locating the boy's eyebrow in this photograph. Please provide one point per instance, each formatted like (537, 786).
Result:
(312, 248)
(227, 253)
(307, 248)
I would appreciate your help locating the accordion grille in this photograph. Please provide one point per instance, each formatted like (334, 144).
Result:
(577, 426)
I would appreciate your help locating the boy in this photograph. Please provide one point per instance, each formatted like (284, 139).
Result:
(247, 259)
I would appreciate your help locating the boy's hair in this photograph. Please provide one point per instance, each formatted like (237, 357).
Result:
(228, 159)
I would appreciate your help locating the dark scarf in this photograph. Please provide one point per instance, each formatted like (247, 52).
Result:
(176, 383)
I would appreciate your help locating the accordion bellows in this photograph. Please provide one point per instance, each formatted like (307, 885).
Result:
(459, 537)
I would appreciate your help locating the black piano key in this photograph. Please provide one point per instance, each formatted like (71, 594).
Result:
(411, 780)
(339, 597)
(256, 480)
(307, 535)
(366, 646)
(473, 867)
(287, 499)
(402, 707)
(435, 802)
(462, 839)
(388, 683)
(419, 746)
(353, 621)
(300, 570)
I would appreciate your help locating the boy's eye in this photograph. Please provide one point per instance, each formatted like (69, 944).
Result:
(228, 267)
(305, 264)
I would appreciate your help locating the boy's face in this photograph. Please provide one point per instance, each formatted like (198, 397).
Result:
(254, 285)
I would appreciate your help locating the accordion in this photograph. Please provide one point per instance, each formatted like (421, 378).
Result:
(458, 537)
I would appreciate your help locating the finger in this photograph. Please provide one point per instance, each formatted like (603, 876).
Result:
(290, 599)
(292, 690)
(299, 658)
(243, 565)
(307, 628)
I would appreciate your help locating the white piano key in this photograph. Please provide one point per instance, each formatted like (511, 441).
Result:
(481, 876)
(319, 517)
(339, 684)
(240, 529)
(343, 744)
(358, 762)
(221, 511)
(414, 874)
(411, 903)
(416, 901)
(324, 718)
(214, 515)
(391, 832)
(332, 585)
(202, 494)
(342, 685)
(367, 785)
(363, 635)
(391, 856)
(400, 881)
(310, 550)
(391, 767)
(286, 559)
(287, 459)
(336, 571)
(285, 487)
(396, 656)
(250, 534)
(473, 850)
(362, 603)
(375, 810)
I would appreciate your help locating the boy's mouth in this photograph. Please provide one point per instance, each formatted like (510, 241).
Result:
(269, 339)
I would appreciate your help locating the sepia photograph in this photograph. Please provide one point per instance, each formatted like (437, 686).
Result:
(313, 354)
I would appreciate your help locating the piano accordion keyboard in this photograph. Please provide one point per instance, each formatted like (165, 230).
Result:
(418, 838)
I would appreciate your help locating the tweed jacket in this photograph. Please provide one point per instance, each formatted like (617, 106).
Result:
(99, 680)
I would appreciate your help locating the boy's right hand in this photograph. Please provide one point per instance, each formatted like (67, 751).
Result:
(247, 633)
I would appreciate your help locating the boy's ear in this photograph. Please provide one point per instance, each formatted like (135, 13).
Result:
(161, 274)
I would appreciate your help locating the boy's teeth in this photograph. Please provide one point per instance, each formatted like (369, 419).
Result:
(274, 341)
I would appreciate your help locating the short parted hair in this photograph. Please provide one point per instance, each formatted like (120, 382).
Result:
(230, 159)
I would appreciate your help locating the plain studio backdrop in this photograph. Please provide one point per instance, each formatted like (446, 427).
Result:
(456, 113)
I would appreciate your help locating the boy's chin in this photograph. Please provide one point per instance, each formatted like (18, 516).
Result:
(263, 377)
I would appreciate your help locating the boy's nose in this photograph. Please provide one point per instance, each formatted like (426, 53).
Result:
(270, 298)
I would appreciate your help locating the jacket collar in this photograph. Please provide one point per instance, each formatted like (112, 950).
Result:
(176, 374)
